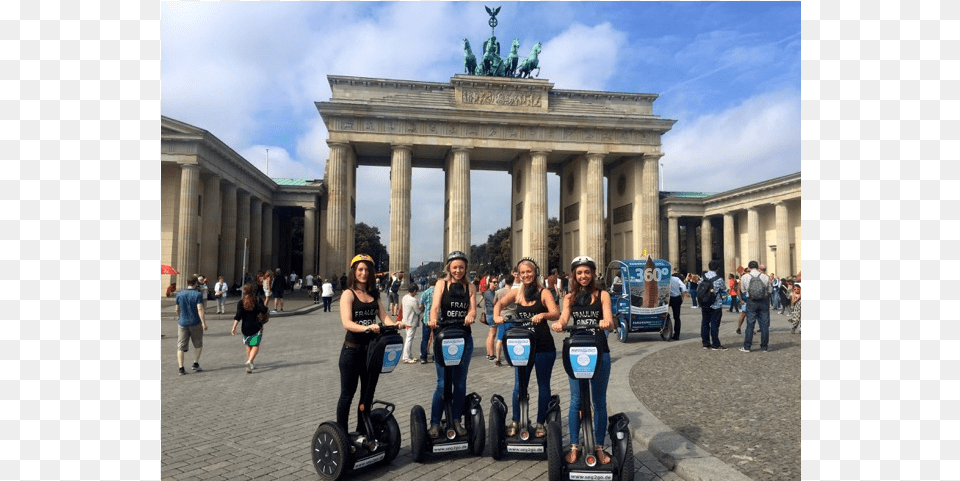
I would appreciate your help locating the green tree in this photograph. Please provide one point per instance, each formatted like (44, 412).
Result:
(553, 245)
(367, 241)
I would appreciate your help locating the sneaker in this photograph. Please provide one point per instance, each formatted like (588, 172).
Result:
(763, 349)
(706, 346)
(248, 367)
(744, 350)
(423, 361)
(253, 366)
(182, 371)
(434, 431)
(491, 358)
(719, 348)
(461, 431)
(196, 367)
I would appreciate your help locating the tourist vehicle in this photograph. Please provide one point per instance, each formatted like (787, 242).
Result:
(448, 349)
(582, 360)
(519, 344)
(640, 296)
(336, 453)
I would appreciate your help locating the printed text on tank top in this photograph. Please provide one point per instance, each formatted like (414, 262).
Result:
(528, 311)
(589, 314)
(453, 306)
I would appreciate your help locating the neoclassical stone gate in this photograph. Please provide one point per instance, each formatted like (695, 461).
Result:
(521, 126)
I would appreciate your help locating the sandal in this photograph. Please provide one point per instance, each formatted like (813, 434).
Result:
(540, 431)
(434, 431)
(602, 457)
(461, 431)
(573, 454)
(512, 429)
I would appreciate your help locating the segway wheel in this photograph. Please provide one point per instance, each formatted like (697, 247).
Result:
(621, 330)
(386, 430)
(497, 433)
(626, 468)
(418, 433)
(329, 450)
(478, 433)
(667, 330)
(554, 452)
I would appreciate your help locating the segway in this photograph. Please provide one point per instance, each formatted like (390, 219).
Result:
(449, 343)
(582, 360)
(336, 453)
(520, 348)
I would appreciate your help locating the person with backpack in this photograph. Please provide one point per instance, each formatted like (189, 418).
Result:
(394, 293)
(710, 293)
(756, 287)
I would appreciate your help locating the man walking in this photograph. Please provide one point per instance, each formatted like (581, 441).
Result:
(712, 310)
(677, 291)
(394, 294)
(191, 322)
(756, 288)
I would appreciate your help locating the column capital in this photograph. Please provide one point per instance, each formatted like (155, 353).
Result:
(406, 147)
(596, 154)
(649, 156)
(460, 148)
(309, 208)
(189, 165)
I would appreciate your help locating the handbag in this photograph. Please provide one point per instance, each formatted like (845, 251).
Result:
(263, 317)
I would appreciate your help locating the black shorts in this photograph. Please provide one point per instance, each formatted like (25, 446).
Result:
(278, 294)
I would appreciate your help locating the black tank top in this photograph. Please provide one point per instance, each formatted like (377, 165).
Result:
(591, 314)
(455, 305)
(542, 331)
(365, 314)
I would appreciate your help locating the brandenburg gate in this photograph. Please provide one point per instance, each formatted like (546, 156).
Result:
(522, 126)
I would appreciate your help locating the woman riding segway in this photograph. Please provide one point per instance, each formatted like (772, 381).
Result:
(369, 348)
(590, 309)
(451, 314)
(534, 305)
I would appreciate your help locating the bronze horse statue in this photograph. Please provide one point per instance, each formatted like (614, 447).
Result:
(530, 63)
(469, 59)
(510, 65)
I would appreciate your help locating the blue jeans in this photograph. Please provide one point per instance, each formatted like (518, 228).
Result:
(598, 393)
(424, 339)
(775, 298)
(757, 311)
(459, 386)
(710, 326)
(543, 364)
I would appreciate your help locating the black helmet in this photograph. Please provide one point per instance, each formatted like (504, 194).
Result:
(583, 261)
(457, 255)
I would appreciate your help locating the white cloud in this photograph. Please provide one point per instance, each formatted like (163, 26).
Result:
(583, 58)
(751, 142)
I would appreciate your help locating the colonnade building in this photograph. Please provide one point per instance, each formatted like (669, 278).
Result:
(523, 127)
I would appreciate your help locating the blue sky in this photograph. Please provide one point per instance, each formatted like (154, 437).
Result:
(728, 72)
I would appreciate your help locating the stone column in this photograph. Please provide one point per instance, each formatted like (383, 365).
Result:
(458, 197)
(593, 212)
(753, 235)
(228, 236)
(243, 232)
(729, 244)
(309, 241)
(401, 172)
(706, 243)
(691, 259)
(187, 234)
(673, 242)
(256, 235)
(210, 230)
(536, 219)
(338, 206)
(650, 206)
(266, 236)
(782, 268)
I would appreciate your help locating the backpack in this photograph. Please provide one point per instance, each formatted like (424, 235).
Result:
(395, 287)
(705, 292)
(757, 289)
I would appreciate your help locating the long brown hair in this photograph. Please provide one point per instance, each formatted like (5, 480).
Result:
(371, 287)
(576, 288)
(248, 296)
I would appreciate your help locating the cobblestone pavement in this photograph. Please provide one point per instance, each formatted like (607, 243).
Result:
(743, 408)
(225, 424)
